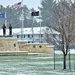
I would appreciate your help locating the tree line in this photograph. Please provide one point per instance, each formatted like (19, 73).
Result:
(13, 17)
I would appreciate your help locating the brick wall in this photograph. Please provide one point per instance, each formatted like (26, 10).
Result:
(8, 44)
(35, 48)
(12, 44)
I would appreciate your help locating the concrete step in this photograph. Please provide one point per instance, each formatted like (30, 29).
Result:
(13, 53)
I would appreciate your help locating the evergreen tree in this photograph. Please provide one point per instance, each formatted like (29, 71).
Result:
(2, 20)
(46, 11)
(13, 17)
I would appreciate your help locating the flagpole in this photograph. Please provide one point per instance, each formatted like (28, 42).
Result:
(5, 19)
(22, 2)
(34, 13)
(40, 28)
(32, 29)
(22, 16)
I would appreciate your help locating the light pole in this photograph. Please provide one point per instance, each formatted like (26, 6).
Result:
(39, 21)
(74, 62)
(54, 57)
(54, 49)
(69, 60)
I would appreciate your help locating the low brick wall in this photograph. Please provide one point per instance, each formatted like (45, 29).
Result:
(39, 48)
(23, 46)
(8, 44)
(35, 47)
(11, 45)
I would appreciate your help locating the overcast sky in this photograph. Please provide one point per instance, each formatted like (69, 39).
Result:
(29, 3)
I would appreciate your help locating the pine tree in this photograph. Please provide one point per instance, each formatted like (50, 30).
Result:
(46, 11)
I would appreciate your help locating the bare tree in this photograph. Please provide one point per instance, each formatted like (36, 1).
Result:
(64, 23)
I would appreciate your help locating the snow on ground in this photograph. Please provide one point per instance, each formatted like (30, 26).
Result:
(72, 51)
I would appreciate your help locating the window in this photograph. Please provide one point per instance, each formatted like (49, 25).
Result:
(28, 36)
(41, 41)
(24, 36)
(41, 35)
(17, 36)
(32, 36)
(28, 41)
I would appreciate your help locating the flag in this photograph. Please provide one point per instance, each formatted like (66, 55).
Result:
(17, 5)
(35, 13)
(2, 15)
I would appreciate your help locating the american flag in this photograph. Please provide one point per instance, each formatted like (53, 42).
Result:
(17, 5)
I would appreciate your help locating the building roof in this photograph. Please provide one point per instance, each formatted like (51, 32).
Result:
(28, 31)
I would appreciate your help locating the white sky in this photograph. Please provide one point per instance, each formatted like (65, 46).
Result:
(29, 3)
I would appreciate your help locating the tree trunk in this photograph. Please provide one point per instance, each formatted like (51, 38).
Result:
(64, 62)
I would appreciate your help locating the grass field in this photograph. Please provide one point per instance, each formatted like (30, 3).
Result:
(39, 64)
